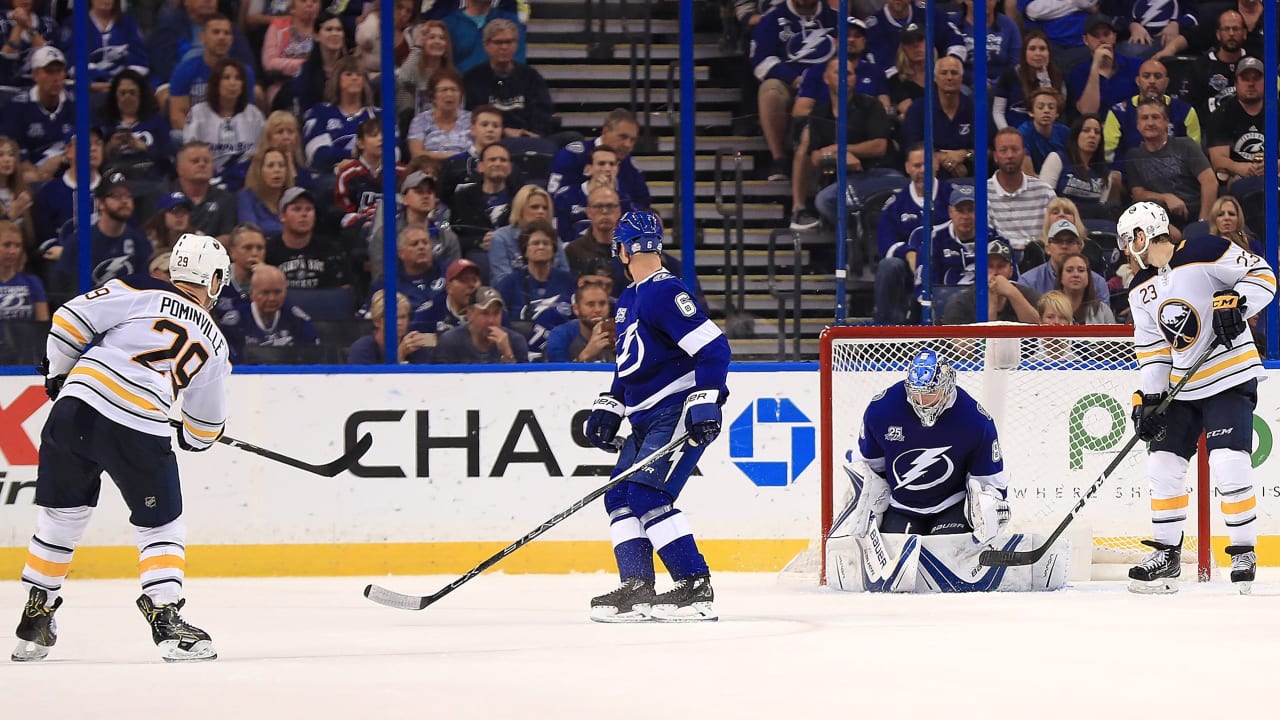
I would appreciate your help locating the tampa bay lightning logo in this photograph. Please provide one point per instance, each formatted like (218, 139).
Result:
(923, 468)
(813, 44)
(630, 350)
(1180, 324)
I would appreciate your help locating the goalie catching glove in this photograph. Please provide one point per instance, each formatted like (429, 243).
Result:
(1148, 424)
(987, 511)
(1228, 317)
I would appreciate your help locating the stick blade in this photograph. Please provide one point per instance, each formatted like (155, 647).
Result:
(1009, 558)
(393, 599)
(345, 462)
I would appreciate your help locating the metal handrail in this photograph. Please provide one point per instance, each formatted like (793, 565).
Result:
(780, 294)
(645, 142)
(737, 215)
(673, 120)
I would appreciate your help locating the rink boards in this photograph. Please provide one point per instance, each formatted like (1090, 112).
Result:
(463, 464)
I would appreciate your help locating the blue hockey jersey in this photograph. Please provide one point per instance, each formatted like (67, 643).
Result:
(111, 49)
(566, 171)
(242, 326)
(40, 133)
(329, 135)
(927, 468)
(783, 44)
(666, 346)
(951, 262)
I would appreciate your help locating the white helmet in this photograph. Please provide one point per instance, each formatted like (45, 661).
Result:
(200, 260)
(1138, 226)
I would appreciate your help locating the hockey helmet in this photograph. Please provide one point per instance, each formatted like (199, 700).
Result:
(930, 385)
(640, 231)
(1138, 226)
(200, 260)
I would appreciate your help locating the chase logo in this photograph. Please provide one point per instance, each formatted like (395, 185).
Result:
(1179, 323)
(778, 464)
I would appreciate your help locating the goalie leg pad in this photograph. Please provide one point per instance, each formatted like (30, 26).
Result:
(949, 563)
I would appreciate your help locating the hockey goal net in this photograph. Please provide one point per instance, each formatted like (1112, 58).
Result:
(1061, 399)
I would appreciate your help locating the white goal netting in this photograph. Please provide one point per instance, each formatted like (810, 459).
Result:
(1061, 400)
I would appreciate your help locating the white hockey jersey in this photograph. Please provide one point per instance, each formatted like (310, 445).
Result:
(1173, 317)
(130, 347)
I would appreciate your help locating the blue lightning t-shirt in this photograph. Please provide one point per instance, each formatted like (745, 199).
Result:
(666, 346)
(927, 467)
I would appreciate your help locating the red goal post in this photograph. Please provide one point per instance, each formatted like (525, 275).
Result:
(1060, 396)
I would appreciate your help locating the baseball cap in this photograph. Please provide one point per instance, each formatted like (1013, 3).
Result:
(997, 247)
(1063, 226)
(1249, 63)
(292, 194)
(417, 178)
(484, 296)
(457, 267)
(169, 201)
(110, 182)
(961, 193)
(858, 23)
(911, 32)
(47, 55)
(1097, 19)
(70, 136)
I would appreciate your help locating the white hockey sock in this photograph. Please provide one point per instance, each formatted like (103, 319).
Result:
(162, 561)
(58, 531)
(1169, 499)
(1233, 469)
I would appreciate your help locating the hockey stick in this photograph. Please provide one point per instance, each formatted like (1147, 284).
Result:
(328, 469)
(1009, 558)
(390, 598)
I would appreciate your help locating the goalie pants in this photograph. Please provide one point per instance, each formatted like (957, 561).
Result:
(948, 522)
(1227, 421)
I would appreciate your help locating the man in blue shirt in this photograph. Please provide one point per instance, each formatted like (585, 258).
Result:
(1108, 78)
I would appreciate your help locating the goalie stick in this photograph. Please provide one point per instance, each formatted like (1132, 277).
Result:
(1008, 558)
(390, 598)
(328, 469)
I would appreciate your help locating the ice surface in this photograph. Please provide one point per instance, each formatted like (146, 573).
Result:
(520, 646)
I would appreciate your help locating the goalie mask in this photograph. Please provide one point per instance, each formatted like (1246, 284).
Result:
(930, 385)
(200, 260)
(1138, 227)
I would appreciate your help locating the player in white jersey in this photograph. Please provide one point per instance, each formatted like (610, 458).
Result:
(118, 358)
(1176, 291)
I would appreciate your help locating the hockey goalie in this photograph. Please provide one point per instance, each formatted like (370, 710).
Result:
(929, 495)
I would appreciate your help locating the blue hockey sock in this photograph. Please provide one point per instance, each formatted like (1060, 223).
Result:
(631, 548)
(669, 532)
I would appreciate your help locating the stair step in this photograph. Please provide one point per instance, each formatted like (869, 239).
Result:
(767, 327)
(658, 164)
(608, 72)
(591, 120)
(621, 52)
(667, 143)
(750, 188)
(714, 284)
(707, 211)
(621, 97)
(613, 9)
(569, 26)
(767, 348)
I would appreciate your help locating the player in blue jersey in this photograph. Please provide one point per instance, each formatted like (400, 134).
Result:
(933, 458)
(670, 380)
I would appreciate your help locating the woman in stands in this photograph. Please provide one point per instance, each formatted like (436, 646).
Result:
(307, 89)
(170, 221)
(1076, 282)
(270, 174)
(330, 129)
(1055, 309)
(538, 294)
(279, 133)
(905, 79)
(1081, 172)
(15, 198)
(431, 53)
(1226, 220)
(227, 120)
(445, 129)
(530, 204)
(137, 134)
(24, 293)
(110, 29)
(1035, 69)
(415, 347)
(287, 45)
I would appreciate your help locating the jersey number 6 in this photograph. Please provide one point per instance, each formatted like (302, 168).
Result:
(182, 353)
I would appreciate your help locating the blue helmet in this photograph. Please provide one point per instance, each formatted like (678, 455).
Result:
(929, 374)
(640, 231)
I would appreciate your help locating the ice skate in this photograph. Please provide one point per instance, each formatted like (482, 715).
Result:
(628, 604)
(691, 600)
(37, 630)
(178, 640)
(1158, 573)
(1244, 564)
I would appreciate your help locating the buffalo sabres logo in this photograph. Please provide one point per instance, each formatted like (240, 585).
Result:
(1180, 324)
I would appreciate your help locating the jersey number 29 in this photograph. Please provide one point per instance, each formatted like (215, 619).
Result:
(182, 354)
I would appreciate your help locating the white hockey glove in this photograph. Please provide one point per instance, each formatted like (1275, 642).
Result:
(873, 500)
(986, 510)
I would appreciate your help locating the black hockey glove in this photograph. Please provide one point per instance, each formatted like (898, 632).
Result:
(604, 422)
(1149, 425)
(52, 385)
(1228, 316)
